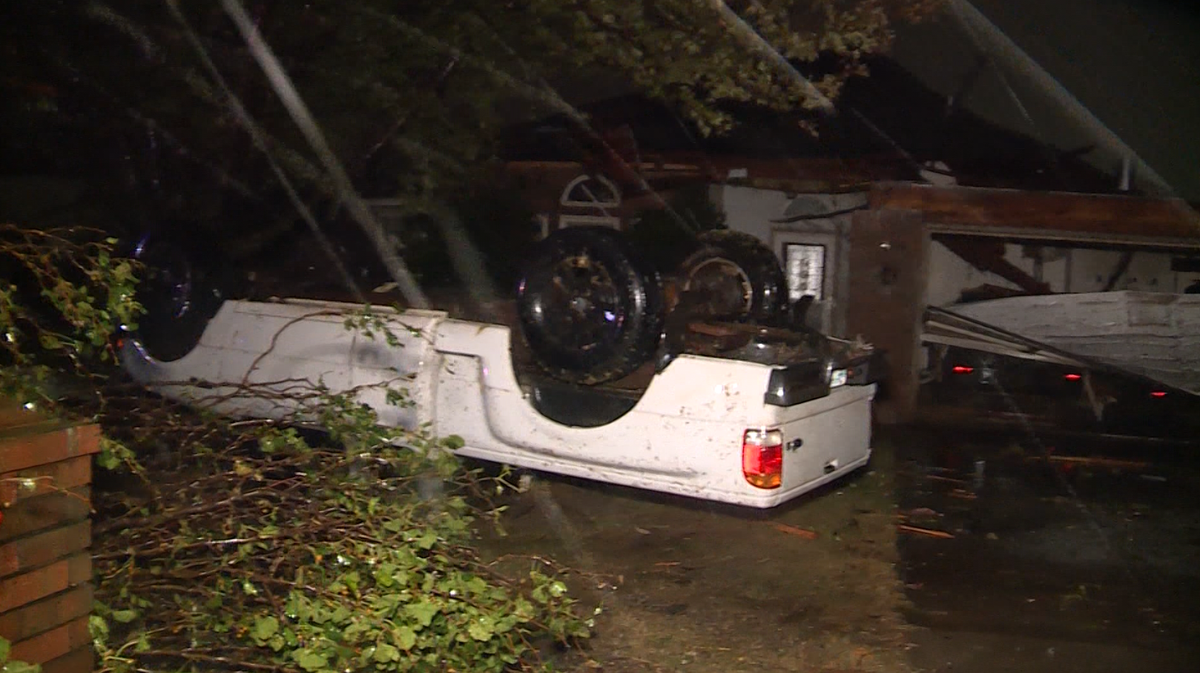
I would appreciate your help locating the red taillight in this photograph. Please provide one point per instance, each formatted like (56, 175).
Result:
(1159, 393)
(962, 369)
(1073, 377)
(762, 458)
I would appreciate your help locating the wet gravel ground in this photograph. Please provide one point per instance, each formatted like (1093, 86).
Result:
(1054, 565)
(1010, 562)
(686, 585)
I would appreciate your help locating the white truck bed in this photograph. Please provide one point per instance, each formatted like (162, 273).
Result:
(683, 436)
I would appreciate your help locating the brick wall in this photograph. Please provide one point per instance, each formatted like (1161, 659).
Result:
(45, 533)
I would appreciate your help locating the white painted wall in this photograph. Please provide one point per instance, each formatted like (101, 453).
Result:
(1065, 270)
(949, 275)
(1055, 266)
(749, 209)
(1148, 272)
(754, 211)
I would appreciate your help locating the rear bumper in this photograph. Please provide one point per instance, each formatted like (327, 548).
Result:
(778, 497)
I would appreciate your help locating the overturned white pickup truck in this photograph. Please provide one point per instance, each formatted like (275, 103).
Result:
(753, 416)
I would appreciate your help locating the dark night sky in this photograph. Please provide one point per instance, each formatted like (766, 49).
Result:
(1135, 64)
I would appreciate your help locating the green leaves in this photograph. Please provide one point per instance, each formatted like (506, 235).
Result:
(9, 666)
(481, 628)
(274, 440)
(422, 612)
(98, 629)
(264, 629)
(115, 455)
(73, 300)
(387, 604)
(425, 540)
(124, 616)
(19, 667)
(310, 660)
(275, 553)
(406, 637)
(386, 652)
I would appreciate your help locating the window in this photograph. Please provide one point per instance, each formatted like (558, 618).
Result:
(804, 264)
(588, 220)
(587, 191)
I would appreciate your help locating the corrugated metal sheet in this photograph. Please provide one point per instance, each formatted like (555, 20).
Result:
(1152, 333)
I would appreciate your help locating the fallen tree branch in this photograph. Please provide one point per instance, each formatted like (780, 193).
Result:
(213, 659)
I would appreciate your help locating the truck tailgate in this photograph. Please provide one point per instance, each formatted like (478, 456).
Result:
(826, 438)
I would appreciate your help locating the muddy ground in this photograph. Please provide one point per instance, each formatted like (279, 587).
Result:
(1024, 566)
(690, 586)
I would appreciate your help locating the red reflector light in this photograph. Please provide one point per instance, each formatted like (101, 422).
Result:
(1159, 393)
(962, 369)
(1073, 377)
(762, 458)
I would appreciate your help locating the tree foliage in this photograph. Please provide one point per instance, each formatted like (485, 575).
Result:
(321, 542)
(63, 296)
(412, 94)
(253, 545)
(280, 556)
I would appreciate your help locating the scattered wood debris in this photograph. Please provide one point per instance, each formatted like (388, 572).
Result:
(793, 530)
(924, 531)
(1096, 461)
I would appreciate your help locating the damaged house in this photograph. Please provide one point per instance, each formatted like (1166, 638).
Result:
(901, 209)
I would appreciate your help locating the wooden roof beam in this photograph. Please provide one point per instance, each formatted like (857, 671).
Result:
(974, 210)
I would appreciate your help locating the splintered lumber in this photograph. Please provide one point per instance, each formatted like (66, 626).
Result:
(793, 530)
(924, 531)
(1096, 461)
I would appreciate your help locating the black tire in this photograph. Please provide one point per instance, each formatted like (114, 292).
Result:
(739, 274)
(183, 285)
(590, 308)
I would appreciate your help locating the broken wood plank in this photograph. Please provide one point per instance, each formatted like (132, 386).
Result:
(1095, 461)
(793, 530)
(925, 531)
(1050, 215)
(938, 477)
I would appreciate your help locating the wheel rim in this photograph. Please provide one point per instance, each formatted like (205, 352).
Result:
(581, 306)
(730, 286)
